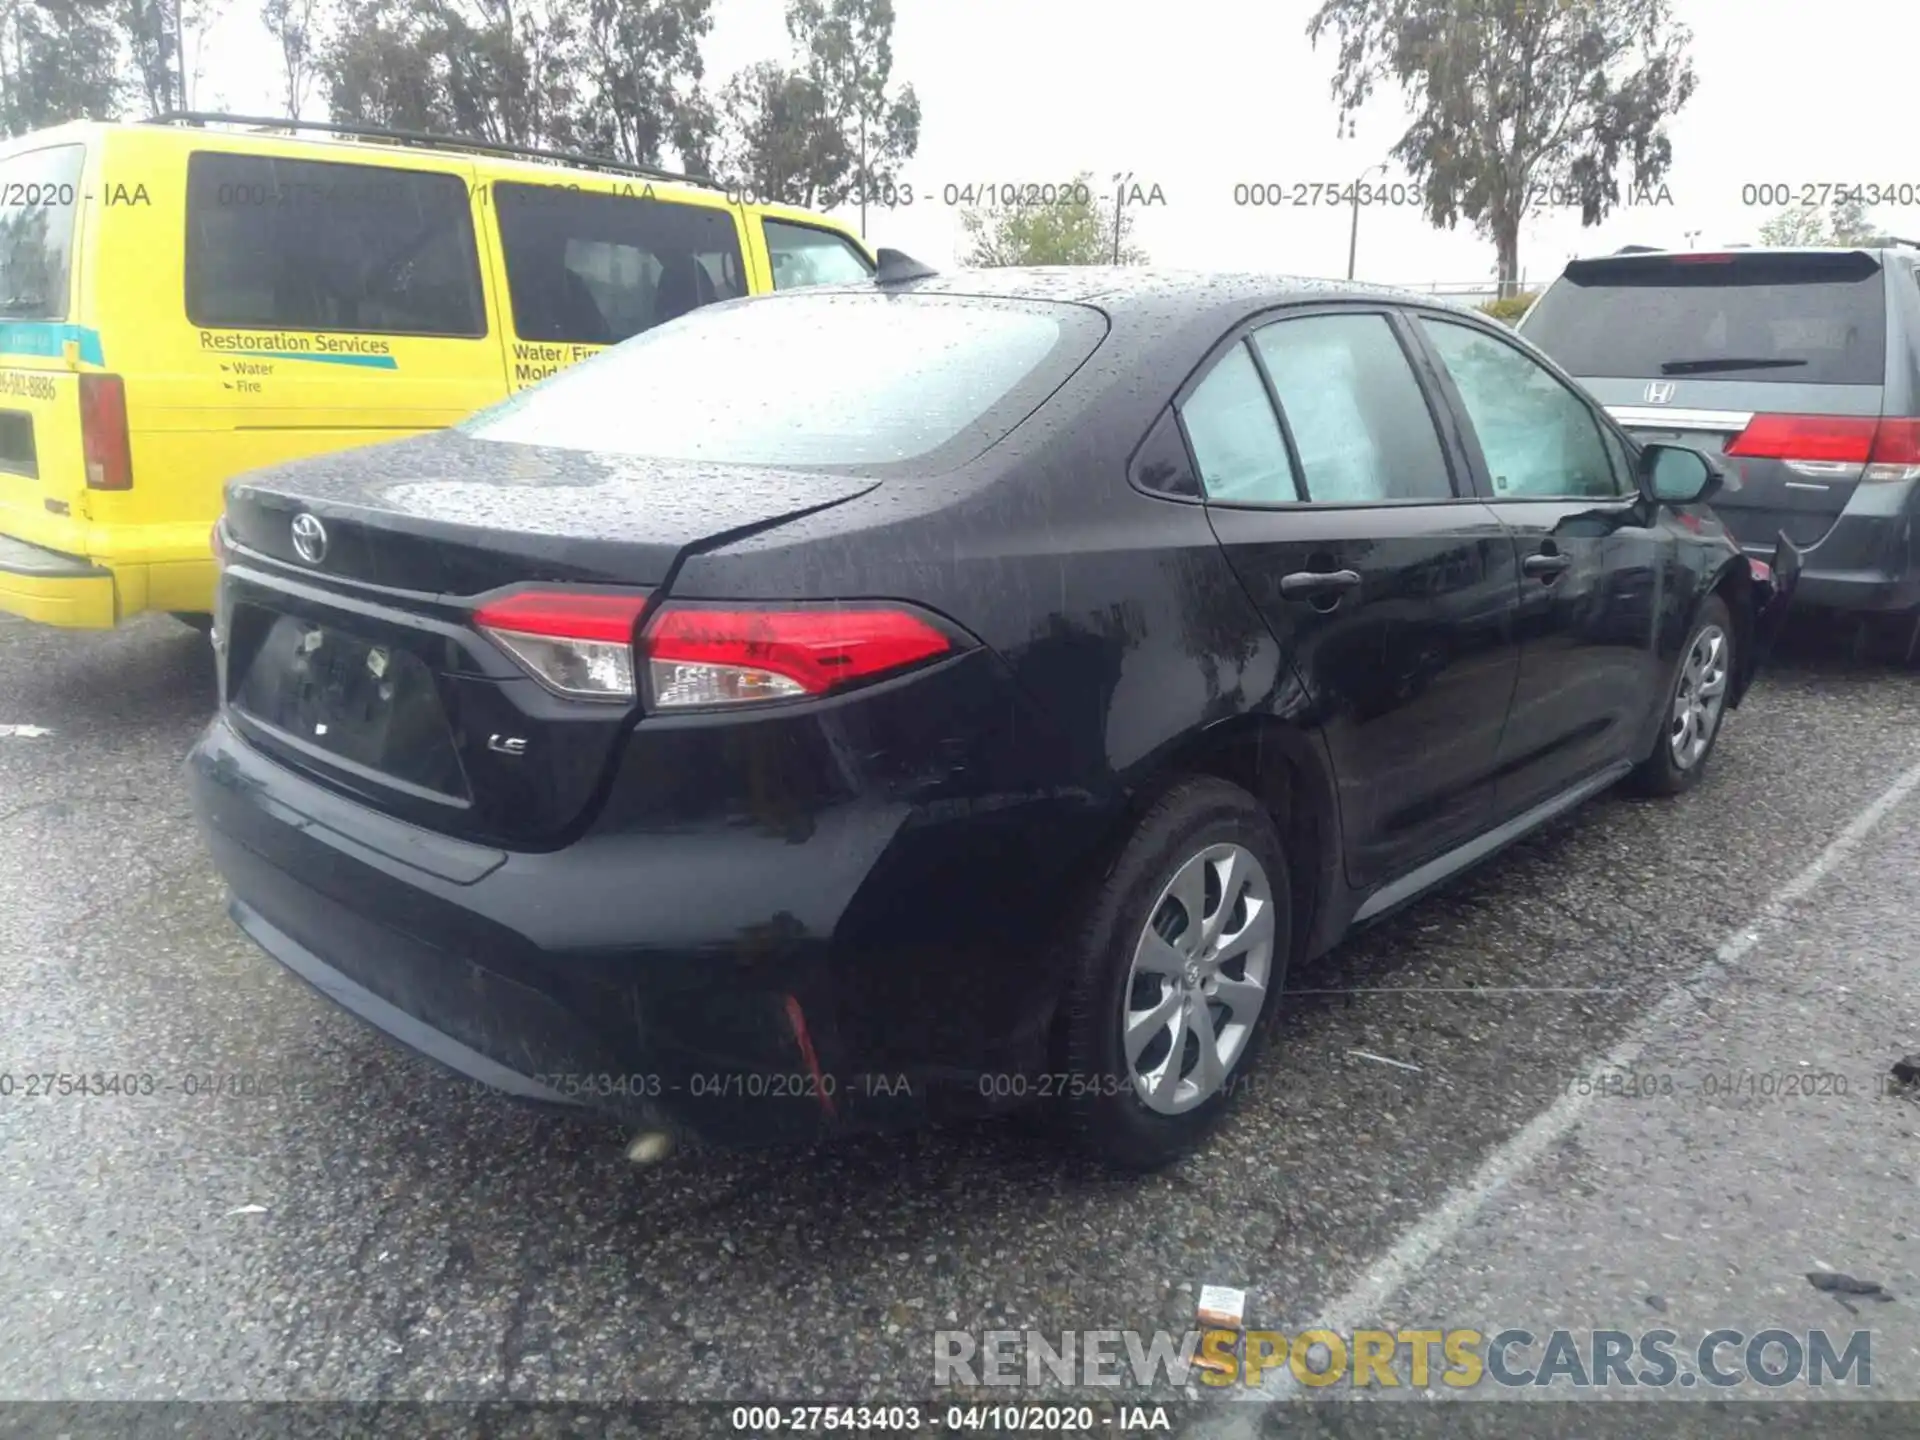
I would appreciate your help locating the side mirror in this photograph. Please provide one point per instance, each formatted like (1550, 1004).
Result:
(1677, 475)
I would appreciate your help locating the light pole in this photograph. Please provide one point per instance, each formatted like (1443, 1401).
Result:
(1353, 232)
(1692, 236)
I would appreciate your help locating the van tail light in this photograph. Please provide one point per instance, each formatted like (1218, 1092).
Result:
(699, 655)
(1835, 447)
(103, 433)
(577, 644)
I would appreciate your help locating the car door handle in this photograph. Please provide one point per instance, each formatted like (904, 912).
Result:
(1545, 566)
(1304, 584)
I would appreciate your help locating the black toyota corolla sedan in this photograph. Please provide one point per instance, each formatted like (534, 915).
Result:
(867, 703)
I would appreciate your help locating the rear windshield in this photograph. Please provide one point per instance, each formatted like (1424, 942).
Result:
(820, 378)
(1807, 319)
(38, 191)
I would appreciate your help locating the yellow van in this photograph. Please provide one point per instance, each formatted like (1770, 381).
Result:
(186, 299)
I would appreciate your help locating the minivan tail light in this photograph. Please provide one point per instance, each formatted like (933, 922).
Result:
(103, 433)
(700, 655)
(1896, 451)
(1834, 446)
(576, 643)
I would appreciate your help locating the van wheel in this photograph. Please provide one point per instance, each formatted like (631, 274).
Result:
(1696, 705)
(194, 619)
(1177, 965)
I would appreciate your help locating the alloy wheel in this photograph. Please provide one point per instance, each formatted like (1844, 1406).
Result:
(1699, 697)
(1199, 978)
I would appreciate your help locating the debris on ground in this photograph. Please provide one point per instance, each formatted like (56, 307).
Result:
(1907, 1070)
(1837, 1282)
(1384, 1060)
(1222, 1307)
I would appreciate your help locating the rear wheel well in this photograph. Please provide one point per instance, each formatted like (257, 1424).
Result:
(1261, 764)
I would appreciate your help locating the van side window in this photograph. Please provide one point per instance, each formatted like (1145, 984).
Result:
(594, 269)
(809, 255)
(38, 192)
(315, 245)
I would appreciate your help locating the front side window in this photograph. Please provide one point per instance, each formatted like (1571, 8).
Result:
(591, 269)
(38, 192)
(315, 245)
(824, 379)
(806, 255)
(1540, 440)
(1235, 436)
(1356, 414)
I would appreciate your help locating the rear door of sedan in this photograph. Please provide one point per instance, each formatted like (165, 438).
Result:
(1344, 507)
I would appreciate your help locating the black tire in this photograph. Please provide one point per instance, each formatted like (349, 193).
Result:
(1094, 1102)
(194, 620)
(1661, 773)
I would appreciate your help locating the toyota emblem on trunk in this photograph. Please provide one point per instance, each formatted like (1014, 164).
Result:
(1660, 392)
(310, 538)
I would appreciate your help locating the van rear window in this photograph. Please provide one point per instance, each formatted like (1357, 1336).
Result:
(594, 269)
(38, 192)
(1810, 318)
(314, 245)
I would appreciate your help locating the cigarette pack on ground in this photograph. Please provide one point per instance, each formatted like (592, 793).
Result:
(1222, 1307)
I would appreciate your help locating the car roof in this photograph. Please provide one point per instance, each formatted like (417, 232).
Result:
(1149, 291)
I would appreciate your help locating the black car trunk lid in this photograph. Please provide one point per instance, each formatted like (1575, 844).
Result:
(349, 649)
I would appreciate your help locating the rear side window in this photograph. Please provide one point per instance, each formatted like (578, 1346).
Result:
(594, 269)
(313, 245)
(1809, 318)
(807, 255)
(38, 191)
(811, 379)
(1235, 436)
(1358, 420)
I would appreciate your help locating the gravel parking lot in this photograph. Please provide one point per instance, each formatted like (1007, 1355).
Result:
(354, 1224)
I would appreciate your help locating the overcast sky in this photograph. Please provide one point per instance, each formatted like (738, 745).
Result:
(1200, 96)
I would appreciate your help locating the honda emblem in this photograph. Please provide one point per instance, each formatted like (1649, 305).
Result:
(1660, 392)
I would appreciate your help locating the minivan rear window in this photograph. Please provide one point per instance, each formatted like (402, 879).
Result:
(315, 245)
(38, 193)
(820, 378)
(1813, 318)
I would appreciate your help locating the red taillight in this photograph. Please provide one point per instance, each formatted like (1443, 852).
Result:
(1897, 442)
(1693, 257)
(578, 644)
(1846, 439)
(103, 433)
(1825, 444)
(729, 655)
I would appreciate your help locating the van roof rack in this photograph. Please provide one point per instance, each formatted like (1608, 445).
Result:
(424, 137)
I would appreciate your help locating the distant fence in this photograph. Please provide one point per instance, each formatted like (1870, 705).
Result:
(1470, 292)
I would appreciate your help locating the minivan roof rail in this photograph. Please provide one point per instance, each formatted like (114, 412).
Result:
(424, 137)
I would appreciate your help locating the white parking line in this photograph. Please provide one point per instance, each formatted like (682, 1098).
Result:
(25, 732)
(1361, 1305)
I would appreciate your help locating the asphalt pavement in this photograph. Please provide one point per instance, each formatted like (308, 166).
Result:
(354, 1224)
